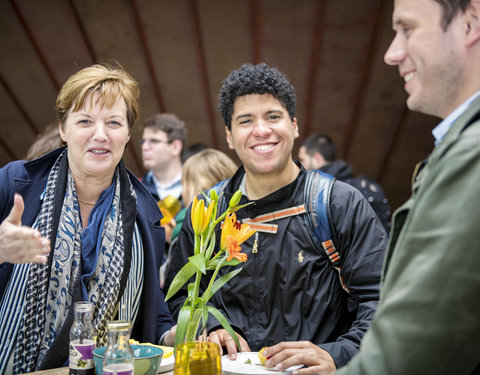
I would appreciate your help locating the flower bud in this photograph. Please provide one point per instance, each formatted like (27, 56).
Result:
(198, 214)
(235, 199)
(213, 195)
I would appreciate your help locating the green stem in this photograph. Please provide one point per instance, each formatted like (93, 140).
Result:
(209, 241)
(192, 326)
(209, 251)
(196, 244)
(196, 288)
(212, 280)
(220, 252)
(221, 217)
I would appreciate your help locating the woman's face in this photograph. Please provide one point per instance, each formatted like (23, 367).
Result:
(96, 137)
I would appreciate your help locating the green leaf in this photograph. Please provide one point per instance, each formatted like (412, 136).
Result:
(182, 322)
(182, 277)
(232, 262)
(204, 316)
(219, 316)
(198, 261)
(190, 290)
(234, 209)
(221, 281)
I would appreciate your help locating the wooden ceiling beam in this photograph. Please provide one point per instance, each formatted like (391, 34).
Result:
(148, 56)
(36, 46)
(8, 150)
(151, 71)
(313, 65)
(19, 106)
(392, 145)
(83, 31)
(256, 21)
(202, 66)
(3, 143)
(380, 16)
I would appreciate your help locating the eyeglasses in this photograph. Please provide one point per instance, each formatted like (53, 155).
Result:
(153, 142)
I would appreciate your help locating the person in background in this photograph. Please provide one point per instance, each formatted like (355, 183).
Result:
(428, 320)
(46, 141)
(288, 289)
(163, 139)
(318, 152)
(192, 150)
(200, 172)
(76, 225)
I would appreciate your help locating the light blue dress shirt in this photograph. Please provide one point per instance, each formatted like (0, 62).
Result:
(442, 128)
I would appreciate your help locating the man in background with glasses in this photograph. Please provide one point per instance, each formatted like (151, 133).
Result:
(163, 139)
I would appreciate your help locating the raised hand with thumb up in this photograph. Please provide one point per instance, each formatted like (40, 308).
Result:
(21, 244)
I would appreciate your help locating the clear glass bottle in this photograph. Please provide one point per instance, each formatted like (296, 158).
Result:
(118, 357)
(82, 340)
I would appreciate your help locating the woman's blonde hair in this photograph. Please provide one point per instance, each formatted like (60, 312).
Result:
(110, 83)
(204, 169)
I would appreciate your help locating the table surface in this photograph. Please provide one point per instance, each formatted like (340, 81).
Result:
(64, 371)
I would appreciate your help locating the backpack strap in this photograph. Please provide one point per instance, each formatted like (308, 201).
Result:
(261, 223)
(317, 193)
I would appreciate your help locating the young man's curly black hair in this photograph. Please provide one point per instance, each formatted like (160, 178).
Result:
(255, 79)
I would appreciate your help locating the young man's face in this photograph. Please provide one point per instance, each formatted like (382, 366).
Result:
(428, 57)
(156, 150)
(262, 134)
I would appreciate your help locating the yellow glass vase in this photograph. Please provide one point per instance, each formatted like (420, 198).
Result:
(197, 358)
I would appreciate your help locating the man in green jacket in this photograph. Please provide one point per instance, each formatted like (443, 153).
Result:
(428, 317)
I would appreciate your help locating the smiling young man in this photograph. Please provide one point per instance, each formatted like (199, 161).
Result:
(428, 319)
(288, 289)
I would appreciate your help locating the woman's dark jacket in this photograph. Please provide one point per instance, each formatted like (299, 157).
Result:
(29, 180)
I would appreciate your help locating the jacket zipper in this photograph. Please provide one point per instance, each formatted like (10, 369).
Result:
(255, 244)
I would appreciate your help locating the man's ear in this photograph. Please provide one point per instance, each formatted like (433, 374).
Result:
(295, 126)
(472, 23)
(228, 136)
(177, 146)
(318, 160)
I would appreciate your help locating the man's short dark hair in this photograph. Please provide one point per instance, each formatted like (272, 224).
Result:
(255, 79)
(169, 124)
(322, 144)
(450, 9)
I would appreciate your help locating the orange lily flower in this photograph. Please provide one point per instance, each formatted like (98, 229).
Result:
(200, 215)
(234, 250)
(231, 227)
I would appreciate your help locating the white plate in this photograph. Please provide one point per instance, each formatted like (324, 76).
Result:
(168, 363)
(240, 365)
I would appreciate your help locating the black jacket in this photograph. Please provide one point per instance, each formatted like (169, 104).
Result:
(289, 290)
